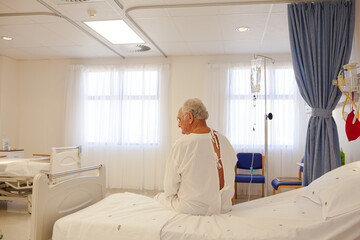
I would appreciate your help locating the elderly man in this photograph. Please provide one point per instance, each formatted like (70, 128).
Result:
(199, 175)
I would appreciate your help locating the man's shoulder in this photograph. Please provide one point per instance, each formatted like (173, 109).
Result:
(186, 140)
(222, 137)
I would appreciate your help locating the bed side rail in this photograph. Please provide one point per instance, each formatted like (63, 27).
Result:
(53, 201)
(55, 150)
(53, 176)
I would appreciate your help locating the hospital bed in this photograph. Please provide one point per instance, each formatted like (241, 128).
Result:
(329, 208)
(16, 175)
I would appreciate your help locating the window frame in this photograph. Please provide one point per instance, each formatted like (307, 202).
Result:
(271, 96)
(127, 97)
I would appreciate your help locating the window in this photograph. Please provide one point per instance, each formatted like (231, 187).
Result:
(246, 116)
(122, 106)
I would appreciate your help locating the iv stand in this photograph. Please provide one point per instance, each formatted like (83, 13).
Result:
(267, 116)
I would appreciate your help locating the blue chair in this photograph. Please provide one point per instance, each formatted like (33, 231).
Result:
(244, 162)
(287, 182)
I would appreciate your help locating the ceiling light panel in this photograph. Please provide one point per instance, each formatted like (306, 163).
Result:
(255, 22)
(6, 38)
(243, 29)
(115, 31)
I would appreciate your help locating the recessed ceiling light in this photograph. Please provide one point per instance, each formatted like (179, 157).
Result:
(116, 31)
(243, 29)
(7, 38)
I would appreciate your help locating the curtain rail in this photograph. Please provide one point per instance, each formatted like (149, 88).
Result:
(20, 14)
(217, 4)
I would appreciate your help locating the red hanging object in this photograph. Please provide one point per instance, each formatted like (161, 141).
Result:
(352, 130)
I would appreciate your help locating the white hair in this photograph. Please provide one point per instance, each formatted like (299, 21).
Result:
(196, 107)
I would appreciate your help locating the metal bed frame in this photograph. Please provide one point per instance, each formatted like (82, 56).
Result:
(19, 188)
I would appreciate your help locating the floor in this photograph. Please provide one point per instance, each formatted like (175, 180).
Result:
(15, 220)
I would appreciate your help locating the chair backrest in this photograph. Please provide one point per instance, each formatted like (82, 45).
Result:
(301, 169)
(245, 159)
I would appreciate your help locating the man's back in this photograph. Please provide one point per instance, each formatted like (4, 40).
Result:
(191, 178)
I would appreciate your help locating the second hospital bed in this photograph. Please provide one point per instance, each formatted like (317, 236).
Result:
(329, 208)
(16, 175)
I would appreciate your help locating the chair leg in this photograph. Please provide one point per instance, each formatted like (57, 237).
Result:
(274, 191)
(262, 188)
(235, 190)
(278, 191)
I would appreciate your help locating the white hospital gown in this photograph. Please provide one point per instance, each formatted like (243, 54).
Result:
(191, 183)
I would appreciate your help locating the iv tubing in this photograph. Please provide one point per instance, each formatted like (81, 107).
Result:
(347, 97)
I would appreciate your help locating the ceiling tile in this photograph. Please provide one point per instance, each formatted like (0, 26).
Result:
(279, 8)
(255, 22)
(193, 11)
(70, 34)
(277, 28)
(17, 53)
(79, 11)
(202, 28)
(160, 29)
(47, 19)
(175, 48)
(245, 9)
(4, 8)
(149, 13)
(206, 48)
(15, 20)
(71, 52)
(241, 46)
(20, 35)
(24, 5)
(275, 46)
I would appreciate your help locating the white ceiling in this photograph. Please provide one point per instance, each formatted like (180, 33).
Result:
(168, 31)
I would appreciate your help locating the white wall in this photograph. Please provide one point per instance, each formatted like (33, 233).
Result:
(41, 105)
(8, 100)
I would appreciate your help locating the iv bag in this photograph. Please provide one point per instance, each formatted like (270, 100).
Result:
(351, 77)
(255, 76)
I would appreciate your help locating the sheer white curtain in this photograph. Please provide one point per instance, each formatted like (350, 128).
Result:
(234, 112)
(120, 115)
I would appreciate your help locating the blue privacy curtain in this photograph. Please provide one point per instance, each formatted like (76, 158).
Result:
(321, 36)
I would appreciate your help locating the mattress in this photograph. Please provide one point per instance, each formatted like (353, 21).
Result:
(287, 215)
(28, 167)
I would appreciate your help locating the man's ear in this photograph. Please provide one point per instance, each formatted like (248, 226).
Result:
(191, 117)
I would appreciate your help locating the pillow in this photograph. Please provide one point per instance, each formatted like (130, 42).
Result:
(337, 191)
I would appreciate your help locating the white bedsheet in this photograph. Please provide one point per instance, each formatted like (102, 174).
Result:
(119, 216)
(132, 216)
(28, 167)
